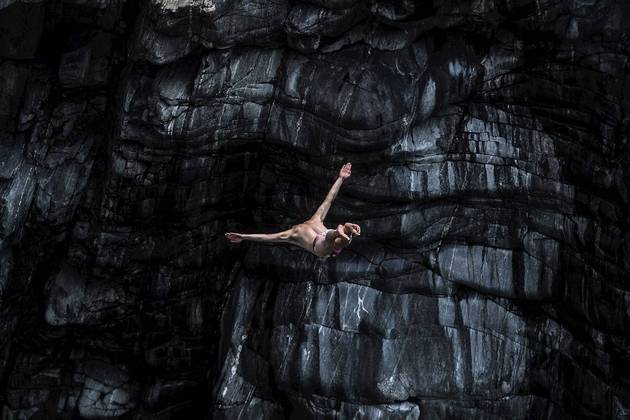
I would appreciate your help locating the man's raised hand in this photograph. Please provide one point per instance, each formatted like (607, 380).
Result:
(345, 170)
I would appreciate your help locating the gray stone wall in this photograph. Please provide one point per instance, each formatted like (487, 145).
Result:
(490, 151)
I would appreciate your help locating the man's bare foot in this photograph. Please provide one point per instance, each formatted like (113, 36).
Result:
(340, 230)
(234, 237)
(352, 229)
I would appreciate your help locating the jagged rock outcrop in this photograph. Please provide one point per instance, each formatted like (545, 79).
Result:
(489, 143)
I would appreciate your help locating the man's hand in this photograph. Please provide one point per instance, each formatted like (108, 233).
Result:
(234, 237)
(345, 170)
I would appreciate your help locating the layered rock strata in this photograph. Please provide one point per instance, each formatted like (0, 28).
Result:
(489, 143)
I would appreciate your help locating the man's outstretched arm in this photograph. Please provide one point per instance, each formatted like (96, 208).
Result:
(284, 236)
(322, 211)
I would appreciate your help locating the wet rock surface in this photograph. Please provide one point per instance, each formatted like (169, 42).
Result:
(490, 154)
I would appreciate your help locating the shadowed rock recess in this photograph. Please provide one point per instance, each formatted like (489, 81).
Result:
(491, 176)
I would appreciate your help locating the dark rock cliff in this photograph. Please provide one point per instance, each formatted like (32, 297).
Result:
(490, 151)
